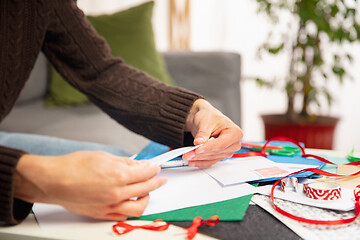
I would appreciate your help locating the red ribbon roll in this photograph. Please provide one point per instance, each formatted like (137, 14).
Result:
(289, 182)
(323, 190)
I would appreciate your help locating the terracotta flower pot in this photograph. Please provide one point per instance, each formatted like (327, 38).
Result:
(318, 133)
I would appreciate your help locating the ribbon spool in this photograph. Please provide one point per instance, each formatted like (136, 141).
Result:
(289, 182)
(357, 192)
(323, 190)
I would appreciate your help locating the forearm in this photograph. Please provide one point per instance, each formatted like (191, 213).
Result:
(12, 210)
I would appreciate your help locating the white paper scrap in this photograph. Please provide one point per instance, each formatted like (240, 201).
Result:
(158, 160)
(247, 169)
(187, 187)
(240, 170)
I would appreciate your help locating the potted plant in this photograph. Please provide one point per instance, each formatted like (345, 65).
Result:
(315, 27)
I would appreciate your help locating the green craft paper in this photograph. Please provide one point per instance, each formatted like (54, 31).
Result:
(229, 210)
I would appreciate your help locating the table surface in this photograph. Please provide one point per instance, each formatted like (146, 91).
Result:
(257, 224)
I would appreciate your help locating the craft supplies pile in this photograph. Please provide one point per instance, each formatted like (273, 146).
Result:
(225, 189)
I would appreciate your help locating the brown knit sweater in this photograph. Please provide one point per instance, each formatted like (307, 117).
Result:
(61, 31)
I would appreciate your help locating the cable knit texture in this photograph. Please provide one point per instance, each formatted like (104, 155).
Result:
(58, 28)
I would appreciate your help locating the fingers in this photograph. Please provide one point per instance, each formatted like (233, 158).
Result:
(213, 151)
(114, 217)
(201, 137)
(141, 188)
(125, 160)
(204, 163)
(205, 121)
(125, 206)
(134, 208)
(229, 138)
(138, 173)
(208, 160)
(204, 131)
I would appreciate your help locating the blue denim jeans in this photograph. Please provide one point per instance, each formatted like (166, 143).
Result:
(52, 146)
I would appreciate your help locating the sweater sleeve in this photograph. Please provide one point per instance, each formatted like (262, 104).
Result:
(12, 210)
(133, 98)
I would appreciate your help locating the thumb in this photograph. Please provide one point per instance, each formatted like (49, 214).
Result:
(201, 137)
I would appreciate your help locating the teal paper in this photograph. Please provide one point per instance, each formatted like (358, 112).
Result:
(337, 160)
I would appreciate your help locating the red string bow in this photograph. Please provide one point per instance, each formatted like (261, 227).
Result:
(197, 222)
(158, 225)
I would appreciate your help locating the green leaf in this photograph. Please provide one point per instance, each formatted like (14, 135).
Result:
(350, 58)
(325, 76)
(263, 83)
(318, 59)
(339, 71)
(328, 96)
(350, 11)
(275, 50)
(334, 10)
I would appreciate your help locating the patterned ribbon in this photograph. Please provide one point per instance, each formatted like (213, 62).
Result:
(321, 172)
(322, 190)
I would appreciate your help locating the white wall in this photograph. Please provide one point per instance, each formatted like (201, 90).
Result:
(233, 25)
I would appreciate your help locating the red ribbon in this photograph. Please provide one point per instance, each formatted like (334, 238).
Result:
(321, 172)
(197, 222)
(311, 221)
(121, 228)
(249, 154)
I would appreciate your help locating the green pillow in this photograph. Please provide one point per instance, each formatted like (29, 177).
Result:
(131, 37)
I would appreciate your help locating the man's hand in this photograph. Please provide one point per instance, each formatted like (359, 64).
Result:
(205, 121)
(95, 184)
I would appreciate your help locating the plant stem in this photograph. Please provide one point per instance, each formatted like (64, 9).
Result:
(310, 63)
(290, 88)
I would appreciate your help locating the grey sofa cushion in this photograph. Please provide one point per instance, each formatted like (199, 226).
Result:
(215, 75)
(83, 123)
(36, 86)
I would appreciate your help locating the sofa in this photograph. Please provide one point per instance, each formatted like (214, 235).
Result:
(215, 75)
